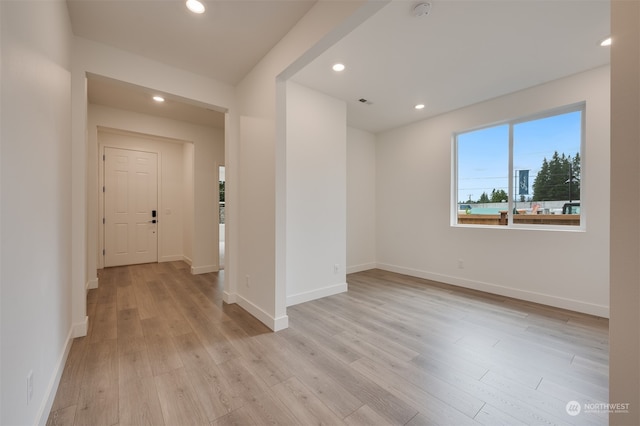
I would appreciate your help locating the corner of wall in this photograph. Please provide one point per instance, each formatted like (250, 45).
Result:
(274, 323)
(308, 296)
(195, 270)
(91, 284)
(362, 267)
(52, 388)
(80, 329)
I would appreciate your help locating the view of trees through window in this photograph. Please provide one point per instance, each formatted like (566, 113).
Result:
(522, 172)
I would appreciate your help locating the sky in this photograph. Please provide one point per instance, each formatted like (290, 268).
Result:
(483, 155)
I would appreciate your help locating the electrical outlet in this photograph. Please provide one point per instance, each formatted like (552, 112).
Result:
(247, 281)
(336, 268)
(29, 387)
(460, 264)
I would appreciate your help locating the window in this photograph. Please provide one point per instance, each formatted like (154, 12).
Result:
(524, 172)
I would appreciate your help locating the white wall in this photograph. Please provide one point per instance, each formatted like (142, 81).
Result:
(316, 194)
(35, 279)
(262, 155)
(624, 327)
(361, 200)
(208, 149)
(567, 269)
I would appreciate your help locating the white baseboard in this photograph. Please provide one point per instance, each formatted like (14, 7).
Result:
(187, 260)
(80, 329)
(50, 393)
(281, 323)
(274, 324)
(172, 258)
(307, 296)
(229, 297)
(529, 296)
(195, 270)
(92, 284)
(359, 268)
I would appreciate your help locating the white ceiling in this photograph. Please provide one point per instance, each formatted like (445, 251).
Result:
(224, 43)
(463, 52)
(116, 94)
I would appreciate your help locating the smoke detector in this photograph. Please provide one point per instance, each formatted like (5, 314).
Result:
(421, 9)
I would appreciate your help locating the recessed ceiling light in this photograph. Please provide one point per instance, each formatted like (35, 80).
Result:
(606, 42)
(195, 6)
(338, 67)
(158, 98)
(419, 106)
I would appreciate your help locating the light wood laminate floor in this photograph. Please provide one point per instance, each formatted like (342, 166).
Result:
(162, 348)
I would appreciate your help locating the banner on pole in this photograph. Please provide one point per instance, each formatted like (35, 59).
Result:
(523, 182)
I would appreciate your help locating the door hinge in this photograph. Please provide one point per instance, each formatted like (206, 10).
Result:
(103, 221)
(103, 252)
(103, 189)
(103, 157)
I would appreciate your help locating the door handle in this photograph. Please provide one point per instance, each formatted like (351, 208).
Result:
(153, 221)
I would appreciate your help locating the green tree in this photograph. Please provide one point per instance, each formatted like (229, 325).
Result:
(497, 196)
(552, 181)
(484, 198)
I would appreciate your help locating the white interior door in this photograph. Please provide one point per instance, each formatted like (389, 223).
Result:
(130, 198)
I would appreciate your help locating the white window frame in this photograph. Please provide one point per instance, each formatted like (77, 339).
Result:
(579, 106)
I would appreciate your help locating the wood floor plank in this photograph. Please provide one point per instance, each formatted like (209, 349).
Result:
(98, 398)
(367, 349)
(105, 323)
(178, 399)
(253, 353)
(212, 388)
(384, 403)
(542, 402)
(128, 324)
(263, 410)
(549, 387)
(71, 379)
(304, 405)
(330, 391)
(433, 405)
(337, 348)
(134, 366)
(243, 384)
(139, 404)
(126, 297)
(365, 416)
(146, 305)
(218, 347)
(163, 354)
(62, 417)
(491, 416)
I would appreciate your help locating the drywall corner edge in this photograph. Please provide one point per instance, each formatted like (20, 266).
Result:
(43, 412)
